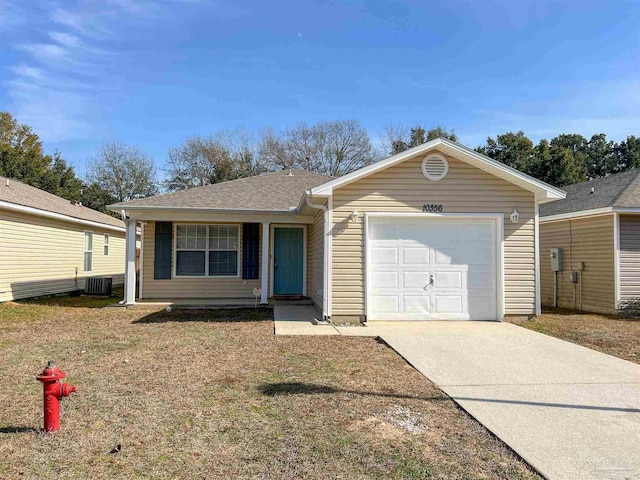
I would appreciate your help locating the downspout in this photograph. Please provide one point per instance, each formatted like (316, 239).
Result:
(325, 253)
(123, 215)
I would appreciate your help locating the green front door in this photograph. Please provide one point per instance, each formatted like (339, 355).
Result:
(288, 261)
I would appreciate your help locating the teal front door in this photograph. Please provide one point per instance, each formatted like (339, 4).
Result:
(288, 261)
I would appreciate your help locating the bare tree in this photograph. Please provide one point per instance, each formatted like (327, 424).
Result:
(124, 172)
(332, 148)
(272, 149)
(395, 138)
(225, 155)
(398, 138)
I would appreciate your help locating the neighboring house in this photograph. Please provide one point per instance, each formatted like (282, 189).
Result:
(598, 229)
(436, 232)
(49, 245)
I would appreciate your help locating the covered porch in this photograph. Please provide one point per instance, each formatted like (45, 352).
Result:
(224, 259)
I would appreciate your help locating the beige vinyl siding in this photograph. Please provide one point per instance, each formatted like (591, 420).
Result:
(629, 257)
(591, 241)
(315, 258)
(403, 188)
(39, 255)
(201, 287)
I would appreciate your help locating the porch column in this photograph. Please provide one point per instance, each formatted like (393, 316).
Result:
(264, 284)
(130, 265)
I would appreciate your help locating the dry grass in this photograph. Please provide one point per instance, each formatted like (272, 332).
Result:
(194, 395)
(605, 333)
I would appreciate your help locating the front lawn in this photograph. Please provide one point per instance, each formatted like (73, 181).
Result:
(196, 394)
(605, 333)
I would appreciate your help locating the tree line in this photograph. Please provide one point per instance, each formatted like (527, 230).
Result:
(119, 172)
(567, 158)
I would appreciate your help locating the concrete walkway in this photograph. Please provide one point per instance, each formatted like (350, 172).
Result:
(299, 320)
(571, 412)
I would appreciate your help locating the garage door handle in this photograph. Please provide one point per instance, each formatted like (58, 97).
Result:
(431, 281)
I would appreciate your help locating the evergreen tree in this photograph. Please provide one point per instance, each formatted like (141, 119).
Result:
(512, 149)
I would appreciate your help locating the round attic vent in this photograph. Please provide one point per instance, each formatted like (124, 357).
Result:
(435, 167)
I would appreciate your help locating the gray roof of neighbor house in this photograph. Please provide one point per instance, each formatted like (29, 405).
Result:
(277, 191)
(18, 193)
(617, 190)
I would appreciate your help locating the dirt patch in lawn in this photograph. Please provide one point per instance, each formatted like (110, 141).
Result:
(200, 394)
(605, 333)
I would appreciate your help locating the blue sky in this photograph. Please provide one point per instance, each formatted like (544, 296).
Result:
(154, 72)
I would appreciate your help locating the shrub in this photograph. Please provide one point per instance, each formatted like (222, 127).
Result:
(630, 309)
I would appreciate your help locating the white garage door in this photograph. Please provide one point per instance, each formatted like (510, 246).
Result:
(431, 269)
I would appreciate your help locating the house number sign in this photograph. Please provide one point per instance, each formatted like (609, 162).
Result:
(431, 207)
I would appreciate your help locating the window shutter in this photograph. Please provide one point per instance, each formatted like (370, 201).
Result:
(250, 250)
(162, 254)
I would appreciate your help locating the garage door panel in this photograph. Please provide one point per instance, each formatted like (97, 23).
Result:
(416, 255)
(415, 233)
(385, 280)
(481, 280)
(448, 280)
(482, 306)
(415, 280)
(431, 268)
(384, 304)
(384, 231)
(463, 255)
(477, 255)
(384, 256)
(449, 304)
(444, 256)
(416, 304)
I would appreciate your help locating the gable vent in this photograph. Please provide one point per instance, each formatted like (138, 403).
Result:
(435, 167)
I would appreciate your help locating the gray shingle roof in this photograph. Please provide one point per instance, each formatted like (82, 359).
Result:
(22, 194)
(276, 191)
(618, 190)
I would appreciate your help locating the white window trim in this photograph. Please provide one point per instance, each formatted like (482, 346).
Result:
(106, 245)
(84, 250)
(272, 237)
(206, 259)
(497, 218)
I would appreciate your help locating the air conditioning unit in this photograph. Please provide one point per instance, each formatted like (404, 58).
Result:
(98, 286)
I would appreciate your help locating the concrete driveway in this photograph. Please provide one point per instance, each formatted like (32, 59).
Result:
(571, 412)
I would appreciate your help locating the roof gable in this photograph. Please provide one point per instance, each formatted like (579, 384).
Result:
(630, 197)
(18, 193)
(544, 191)
(617, 190)
(270, 192)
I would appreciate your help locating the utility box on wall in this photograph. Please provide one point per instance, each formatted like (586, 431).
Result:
(556, 259)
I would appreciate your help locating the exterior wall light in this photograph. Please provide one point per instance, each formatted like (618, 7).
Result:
(354, 216)
(515, 216)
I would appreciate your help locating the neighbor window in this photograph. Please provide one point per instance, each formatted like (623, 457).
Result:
(207, 250)
(88, 251)
(106, 245)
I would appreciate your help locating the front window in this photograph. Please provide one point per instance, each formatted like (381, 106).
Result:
(88, 251)
(207, 250)
(106, 245)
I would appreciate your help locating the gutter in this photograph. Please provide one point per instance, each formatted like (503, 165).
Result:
(588, 213)
(58, 216)
(118, 208)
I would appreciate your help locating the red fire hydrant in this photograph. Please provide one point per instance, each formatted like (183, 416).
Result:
(53, 392)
